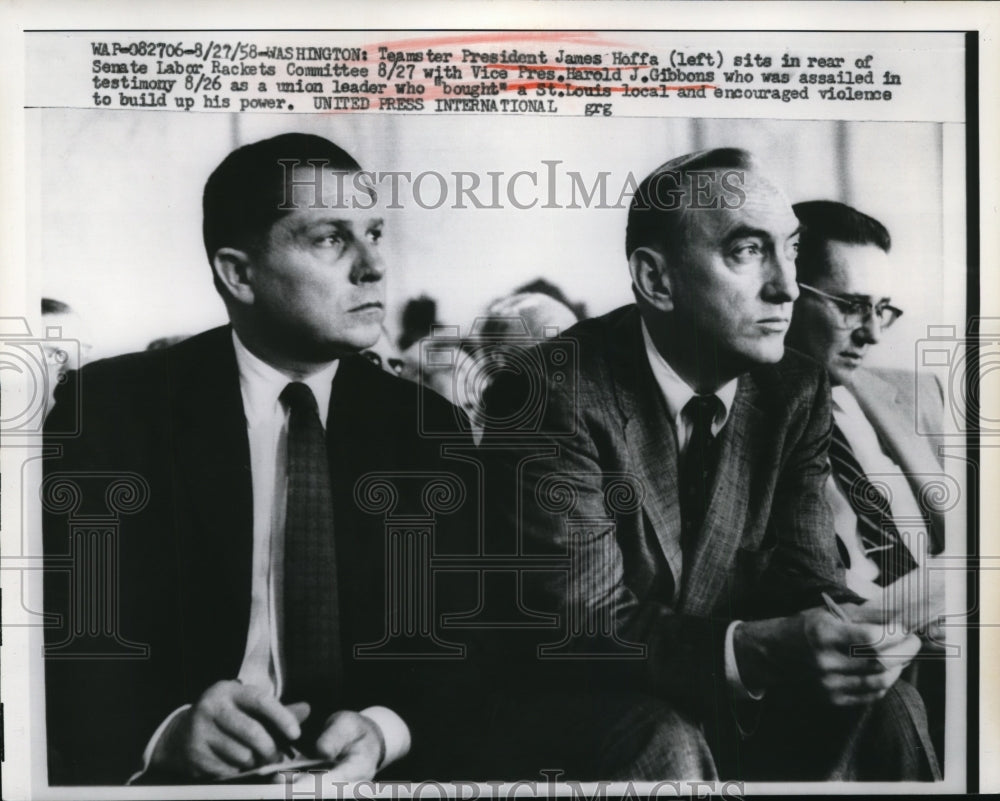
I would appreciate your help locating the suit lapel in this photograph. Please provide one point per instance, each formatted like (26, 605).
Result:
(652, 446)
(350, 398)
(894, 419)
(650, 438)
(740, 444)
(214, 504)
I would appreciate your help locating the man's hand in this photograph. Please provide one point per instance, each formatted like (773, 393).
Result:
(232, 728)
(848, 662)
(353, 743)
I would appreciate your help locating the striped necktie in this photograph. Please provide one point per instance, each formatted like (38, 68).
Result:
(878, 531)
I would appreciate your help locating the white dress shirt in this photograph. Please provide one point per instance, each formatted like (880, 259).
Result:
(863, 440)
(676, 393)
(267, 429)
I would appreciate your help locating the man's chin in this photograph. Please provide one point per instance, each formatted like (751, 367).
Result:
(770, 352)
(842, 376)
(338, 349)
(361, 335)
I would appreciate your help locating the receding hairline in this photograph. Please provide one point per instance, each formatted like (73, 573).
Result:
(652, 224)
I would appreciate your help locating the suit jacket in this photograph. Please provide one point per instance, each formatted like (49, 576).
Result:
(171, 422)
(606, 496)
(898, 406)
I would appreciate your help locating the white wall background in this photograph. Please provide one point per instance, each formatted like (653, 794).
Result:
(117, 231)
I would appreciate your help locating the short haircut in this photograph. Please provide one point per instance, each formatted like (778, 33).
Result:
(656, 217)
(829, 221)
(243, 195)
(53, 306)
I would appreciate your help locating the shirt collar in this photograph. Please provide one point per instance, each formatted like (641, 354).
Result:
(261, 384)
(845, 402)
(677, 392)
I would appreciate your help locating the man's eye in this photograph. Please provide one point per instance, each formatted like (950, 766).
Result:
(854, 307)
(749, 251)
(375, 236)
(331, 241)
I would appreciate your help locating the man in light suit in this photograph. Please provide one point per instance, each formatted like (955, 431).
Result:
(846, 278)
(245, 569)
(682, 479)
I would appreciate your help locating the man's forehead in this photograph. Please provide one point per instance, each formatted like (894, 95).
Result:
(764, 197)
(751, 200)
(858, 269)
(318, 186)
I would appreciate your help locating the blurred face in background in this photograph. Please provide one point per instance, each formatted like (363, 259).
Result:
(65, 349)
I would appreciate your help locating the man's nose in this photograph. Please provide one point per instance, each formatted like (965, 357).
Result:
(368, 263)
(870, 331)
(780, 285)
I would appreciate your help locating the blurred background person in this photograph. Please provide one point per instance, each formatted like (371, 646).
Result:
(165, 342)
(489, 345)
(498, 343)
(61, 322)
(545, 287)
(385, 354)
(418, 318)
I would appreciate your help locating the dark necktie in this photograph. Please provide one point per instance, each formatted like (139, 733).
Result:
(311, 618)
(878, 531)
(697, 467)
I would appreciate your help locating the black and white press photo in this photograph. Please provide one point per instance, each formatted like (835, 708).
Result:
(479, 411)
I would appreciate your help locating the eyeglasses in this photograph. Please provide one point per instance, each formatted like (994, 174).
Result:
(855, 313)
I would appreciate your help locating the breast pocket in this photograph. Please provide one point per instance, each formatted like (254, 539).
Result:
(752, 563)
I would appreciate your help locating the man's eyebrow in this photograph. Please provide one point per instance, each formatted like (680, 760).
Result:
(311, 227)
(866, 298)
(745, 232)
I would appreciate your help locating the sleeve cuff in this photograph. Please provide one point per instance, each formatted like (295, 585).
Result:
(395, 733)
(147, 754)
(740, 691)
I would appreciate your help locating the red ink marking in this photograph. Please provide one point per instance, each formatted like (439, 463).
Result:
(557, 86)
(565, 37)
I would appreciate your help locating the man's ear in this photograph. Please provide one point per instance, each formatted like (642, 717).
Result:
(231, 268)
(650, 279)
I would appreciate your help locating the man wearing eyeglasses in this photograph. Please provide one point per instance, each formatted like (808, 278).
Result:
(844, 306)
(885, 512)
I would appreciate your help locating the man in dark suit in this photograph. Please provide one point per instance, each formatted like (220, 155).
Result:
(846, 278)
(682, 481)
(247, 576)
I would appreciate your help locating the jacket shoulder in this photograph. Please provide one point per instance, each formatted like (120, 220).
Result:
(598, 343)
(128, 370)
(397, 403)
(794, 373)
(910, 383)
(134, 388)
